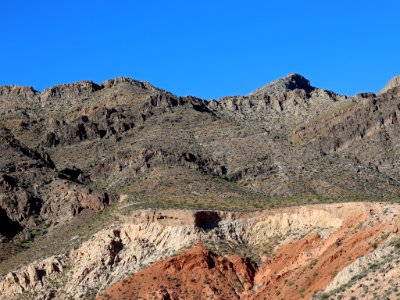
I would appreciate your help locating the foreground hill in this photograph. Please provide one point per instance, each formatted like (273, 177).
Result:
(321, 256)
(321, 251)
(83, 157)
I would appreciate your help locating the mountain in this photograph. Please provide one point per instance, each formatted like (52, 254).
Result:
(288, 83)
(78, 159)
(393, 83)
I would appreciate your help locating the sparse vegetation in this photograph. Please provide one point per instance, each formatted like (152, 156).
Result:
(313, 263)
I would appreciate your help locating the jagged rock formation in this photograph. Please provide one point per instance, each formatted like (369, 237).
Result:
(32, 279)
(69, 152)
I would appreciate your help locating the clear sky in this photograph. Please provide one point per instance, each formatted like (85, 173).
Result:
(204, 48)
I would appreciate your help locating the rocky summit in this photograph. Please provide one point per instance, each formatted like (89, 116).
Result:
(122, 190)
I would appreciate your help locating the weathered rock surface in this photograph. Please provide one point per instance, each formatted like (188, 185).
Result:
(298, 268)
(195, 273)
(69, 152)
(286, 138)
(393, 83)
(33, 279)
(290, 82)
(318, 239)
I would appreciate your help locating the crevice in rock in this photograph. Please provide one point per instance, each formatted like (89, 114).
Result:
(206, 220)
(8, 227)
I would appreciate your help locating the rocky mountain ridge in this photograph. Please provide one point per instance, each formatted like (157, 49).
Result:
(102, 136)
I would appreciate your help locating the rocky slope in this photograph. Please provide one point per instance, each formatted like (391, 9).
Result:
(283, 253)
(286, 138)
(82, 162)
(313, 264)
(393, 83)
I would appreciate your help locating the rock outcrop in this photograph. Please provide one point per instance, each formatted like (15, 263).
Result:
(33, 279)
(297, 269)
(288, 83)
(195, 273)
(315, 241)
(393, 83)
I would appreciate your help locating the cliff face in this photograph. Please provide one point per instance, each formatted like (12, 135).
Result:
(244, 255)
(315, 264)
(81, 161)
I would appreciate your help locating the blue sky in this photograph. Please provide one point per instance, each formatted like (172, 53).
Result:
(204, 48)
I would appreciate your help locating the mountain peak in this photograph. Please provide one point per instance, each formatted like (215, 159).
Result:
(290, 82)
(394, 82)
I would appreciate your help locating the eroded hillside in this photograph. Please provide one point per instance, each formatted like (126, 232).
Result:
(89, 174)
(293, 253)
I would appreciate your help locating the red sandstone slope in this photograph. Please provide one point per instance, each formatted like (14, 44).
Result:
(193, 274)
(298, 270)
(304, 267)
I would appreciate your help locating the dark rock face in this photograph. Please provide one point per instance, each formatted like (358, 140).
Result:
(8, 227)
(206, 220)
